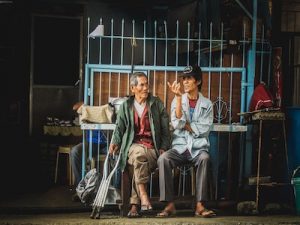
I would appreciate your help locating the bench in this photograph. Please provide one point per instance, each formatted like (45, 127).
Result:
(125, 187)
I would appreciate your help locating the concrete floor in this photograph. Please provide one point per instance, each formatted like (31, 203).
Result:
(54, 206)
(83, 218)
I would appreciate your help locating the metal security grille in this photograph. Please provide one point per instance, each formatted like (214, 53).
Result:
(116, 49)
(112, 55)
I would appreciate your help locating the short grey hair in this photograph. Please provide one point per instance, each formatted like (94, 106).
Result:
(134, 76)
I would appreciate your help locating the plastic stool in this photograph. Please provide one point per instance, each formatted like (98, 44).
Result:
(65, 150)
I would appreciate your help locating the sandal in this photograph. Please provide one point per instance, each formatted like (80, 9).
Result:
(146, 208)
(133, 214)
(205, 213)
(166, 213)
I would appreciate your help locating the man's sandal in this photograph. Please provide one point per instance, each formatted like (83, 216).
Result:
(146, 208)
(166, 213)
(205, 213)
(133, 214)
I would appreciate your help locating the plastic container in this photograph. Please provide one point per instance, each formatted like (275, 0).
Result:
(296, 183)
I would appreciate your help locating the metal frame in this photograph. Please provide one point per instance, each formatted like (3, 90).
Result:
(246, 70)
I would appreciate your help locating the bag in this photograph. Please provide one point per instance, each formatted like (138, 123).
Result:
(115, 104)
(87, 188)
(96, 114)
(261, 98)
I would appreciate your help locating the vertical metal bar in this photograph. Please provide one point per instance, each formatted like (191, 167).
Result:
(269, 65)
(111, 56)
(217, 166)
(252, 56)
(128, 83)
(86, 83)
(92, 88)
(210, 47)
(220, 74)
(100, 88)
(244, 43)
(90, 146)
(86, 88)
(285, 147)
(100, 62)
(86, 80)
(230, 94)
(83, 161)
(122, 55)
(183, 182)
(177, 37)
(243, 93)
(258, 163)
(154, 56)
(122, 42)
(133, 45)
(88, 41)
(111, 41)
(144, 47)
(188, 43)
(262, 54)
(229, 161)
(100, 45)
(199, 45)
(166, 63)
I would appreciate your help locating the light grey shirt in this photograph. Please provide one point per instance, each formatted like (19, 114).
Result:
(201, 124)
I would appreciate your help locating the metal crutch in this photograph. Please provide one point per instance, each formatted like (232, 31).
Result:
(100, 198)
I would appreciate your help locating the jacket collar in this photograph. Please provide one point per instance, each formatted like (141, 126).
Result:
(149, 100)
(201, 100)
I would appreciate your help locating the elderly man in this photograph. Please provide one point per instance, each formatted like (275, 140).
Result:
(191, 117)
(141, 134)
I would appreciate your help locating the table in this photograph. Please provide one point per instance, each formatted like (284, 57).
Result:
(261, 118)
(62, 130)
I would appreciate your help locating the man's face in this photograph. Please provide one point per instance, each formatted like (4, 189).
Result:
(190, 84)
(141, 90)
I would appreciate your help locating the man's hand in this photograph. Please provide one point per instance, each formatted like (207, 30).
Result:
(161, 151)
(175, 88)
(187, 127)
(113, 149)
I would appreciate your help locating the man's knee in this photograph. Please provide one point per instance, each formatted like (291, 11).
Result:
(162, 159)
(139, 156)
(204, 157)
(76, 151)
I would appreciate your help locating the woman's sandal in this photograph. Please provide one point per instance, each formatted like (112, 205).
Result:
(166, 213)
(205, 213)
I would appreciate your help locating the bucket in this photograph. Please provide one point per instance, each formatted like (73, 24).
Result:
(296, 183)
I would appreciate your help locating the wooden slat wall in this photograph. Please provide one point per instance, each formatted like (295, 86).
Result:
(101, 92)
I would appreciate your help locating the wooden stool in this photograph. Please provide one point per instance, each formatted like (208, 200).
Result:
(65, 150)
